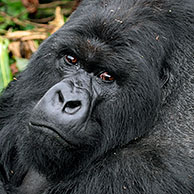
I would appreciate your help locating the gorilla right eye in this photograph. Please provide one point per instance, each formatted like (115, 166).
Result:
(70, 60)
(105, 76)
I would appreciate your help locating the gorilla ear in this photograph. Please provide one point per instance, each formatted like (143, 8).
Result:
(164, 75)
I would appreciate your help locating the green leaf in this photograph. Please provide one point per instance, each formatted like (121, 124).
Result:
(14, 8)
(21, 63)
(5, 72)
(27, 27)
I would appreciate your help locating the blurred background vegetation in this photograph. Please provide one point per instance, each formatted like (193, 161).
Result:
(24, 24)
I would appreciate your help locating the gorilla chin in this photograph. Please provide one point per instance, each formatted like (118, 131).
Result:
(105, 105)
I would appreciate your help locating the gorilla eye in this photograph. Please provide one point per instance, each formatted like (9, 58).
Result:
(105, 76)
(71, 60)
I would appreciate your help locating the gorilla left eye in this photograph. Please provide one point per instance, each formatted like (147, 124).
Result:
(71, 60)
(105, 76)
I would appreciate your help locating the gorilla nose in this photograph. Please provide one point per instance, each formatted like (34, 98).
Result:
(66, 104)
(69, 101)
(69, 106)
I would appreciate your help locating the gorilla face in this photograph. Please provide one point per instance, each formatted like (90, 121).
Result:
(100, 102)
(105, 105)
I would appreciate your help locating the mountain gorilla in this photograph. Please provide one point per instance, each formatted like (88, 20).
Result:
(106, 105)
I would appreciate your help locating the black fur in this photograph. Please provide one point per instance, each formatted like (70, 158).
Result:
(139, 135)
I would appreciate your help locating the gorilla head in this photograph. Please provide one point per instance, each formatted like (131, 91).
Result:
(105, 105)
(107, 96)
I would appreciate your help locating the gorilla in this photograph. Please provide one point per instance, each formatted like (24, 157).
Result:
(106, 105)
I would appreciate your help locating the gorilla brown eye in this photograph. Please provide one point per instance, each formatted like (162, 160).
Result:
(71, 59)
(105, 76)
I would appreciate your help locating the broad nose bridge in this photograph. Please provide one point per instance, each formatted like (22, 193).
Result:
(79, 80)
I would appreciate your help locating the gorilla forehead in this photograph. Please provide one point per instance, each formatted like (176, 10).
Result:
(93, 36)
(110, 19)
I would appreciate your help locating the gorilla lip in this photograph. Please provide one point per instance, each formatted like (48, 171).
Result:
(51, 131)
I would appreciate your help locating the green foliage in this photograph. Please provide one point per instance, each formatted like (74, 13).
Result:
(13, 8)
(5, 73)
(15, 17)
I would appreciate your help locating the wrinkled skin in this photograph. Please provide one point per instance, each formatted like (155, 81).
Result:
(106, 105)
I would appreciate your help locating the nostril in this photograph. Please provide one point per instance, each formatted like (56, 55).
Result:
(73, 104)
(60, 96)
(72, 107)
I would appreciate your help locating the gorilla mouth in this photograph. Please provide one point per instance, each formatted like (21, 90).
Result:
(50, 131)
